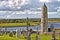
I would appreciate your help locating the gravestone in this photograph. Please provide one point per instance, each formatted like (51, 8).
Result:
(49, 29)
(28, 36)
(14, 32)
(5, 30)
(25, 34)
(52, 27)
(37, 35)
(53, 36)
(17, 33)
(11, 34)
(59, 34)
(0, 32)
(31, 31)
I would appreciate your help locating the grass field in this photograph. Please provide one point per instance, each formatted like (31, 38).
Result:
(33, 37)
(20, 24)
(17, 24)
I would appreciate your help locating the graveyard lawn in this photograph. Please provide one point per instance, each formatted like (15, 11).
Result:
(33, 37)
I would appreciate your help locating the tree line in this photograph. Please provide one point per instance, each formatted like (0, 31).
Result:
(17, 20)
(12, 20)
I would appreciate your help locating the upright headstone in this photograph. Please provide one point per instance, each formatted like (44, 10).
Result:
(17, 33)
(11, 34)
(37, 35)
(31, 31)
(53, 36)
(5, 30)
(25, 34)
(52, 27)
(59, 34)
(0, 31)
(28, 36)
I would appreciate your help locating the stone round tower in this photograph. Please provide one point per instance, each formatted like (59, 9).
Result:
(44, 19)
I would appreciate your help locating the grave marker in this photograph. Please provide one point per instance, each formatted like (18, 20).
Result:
(37, 35)
(53, 36)
(28, 36)
(52, 27)
(59, 34)
(17, 33)
(11, 34)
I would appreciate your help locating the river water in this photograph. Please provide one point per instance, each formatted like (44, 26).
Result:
(56, 25)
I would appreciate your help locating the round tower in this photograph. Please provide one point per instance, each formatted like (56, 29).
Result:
(44, 19)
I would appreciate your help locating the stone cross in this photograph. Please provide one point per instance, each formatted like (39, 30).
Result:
(28, 36)
(53, 36)
(17, 33)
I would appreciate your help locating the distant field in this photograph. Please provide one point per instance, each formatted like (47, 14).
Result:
(22, 22)
(17, 24)
(12, 24)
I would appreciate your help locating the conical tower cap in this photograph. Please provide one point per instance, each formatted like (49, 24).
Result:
(44, 5)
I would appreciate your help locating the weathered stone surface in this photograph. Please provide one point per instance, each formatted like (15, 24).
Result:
(59, 34)
(52, 27)
(53, 36)
(44, 19)
(17, 33)
(11, 34)
(28, 36)
(37, 36)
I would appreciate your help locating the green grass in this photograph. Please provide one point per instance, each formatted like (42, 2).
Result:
(16, 24)
(6, 37)
(33, 37)
(12, 24)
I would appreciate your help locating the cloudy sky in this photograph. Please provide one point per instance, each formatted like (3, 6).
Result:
(28, 8)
